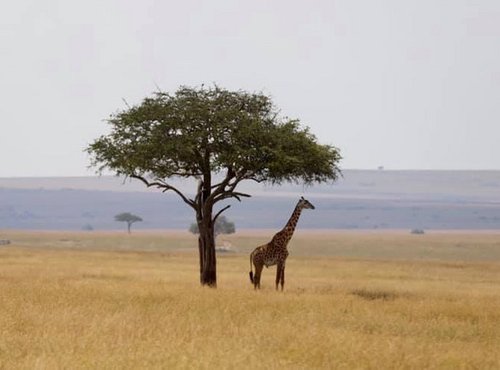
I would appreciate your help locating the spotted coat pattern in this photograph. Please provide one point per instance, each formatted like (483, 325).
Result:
(275, 252)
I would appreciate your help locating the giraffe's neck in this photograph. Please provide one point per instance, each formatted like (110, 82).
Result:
(292, 222)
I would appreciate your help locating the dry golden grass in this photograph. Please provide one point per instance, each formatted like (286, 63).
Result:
(104, 300)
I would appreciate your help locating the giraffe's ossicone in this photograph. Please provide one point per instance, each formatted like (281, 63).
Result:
(275, 252)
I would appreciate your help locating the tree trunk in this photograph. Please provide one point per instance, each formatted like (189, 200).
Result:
(208, 261)
(128, 226)
(206, 241)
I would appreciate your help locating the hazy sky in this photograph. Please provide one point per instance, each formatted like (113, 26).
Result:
(403, 84)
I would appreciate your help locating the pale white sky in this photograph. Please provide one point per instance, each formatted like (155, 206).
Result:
(399, 83)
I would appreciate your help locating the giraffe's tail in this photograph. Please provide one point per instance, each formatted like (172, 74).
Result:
(251, 270)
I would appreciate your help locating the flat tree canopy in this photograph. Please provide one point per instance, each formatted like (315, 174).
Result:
(218, 137)
(129, 218)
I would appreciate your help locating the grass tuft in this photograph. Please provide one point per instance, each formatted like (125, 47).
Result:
(372, 295)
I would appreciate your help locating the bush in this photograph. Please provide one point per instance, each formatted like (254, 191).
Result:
(222, 226)
(87, 227)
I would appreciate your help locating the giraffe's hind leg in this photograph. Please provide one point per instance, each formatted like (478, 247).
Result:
(282, 278)
(279, 268)
(256, 278)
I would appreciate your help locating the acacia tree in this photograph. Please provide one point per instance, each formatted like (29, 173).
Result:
(220, 138)
(129, 218)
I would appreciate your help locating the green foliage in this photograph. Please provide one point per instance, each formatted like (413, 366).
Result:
(209, 130)
(222, 226)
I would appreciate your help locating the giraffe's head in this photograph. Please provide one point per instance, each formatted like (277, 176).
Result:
(304, 203)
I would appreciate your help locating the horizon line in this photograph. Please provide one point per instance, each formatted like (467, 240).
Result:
(345, 169)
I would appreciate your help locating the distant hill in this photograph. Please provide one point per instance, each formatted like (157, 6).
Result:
(361, 199)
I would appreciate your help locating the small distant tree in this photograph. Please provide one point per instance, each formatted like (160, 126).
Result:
(222, 226)
(418, 231)
(129, 218)
(87, 227)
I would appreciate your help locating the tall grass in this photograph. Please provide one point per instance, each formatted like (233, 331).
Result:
(116, 307)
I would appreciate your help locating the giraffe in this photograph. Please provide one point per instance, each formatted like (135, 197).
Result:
(275, 252)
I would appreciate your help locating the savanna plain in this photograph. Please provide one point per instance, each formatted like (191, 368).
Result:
(352, 300)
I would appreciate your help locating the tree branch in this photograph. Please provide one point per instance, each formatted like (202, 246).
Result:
(197, 199)
(221, 186)
(166, 187)
(256, 179)
(250, 175)
(219, 213)
(231, 194)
